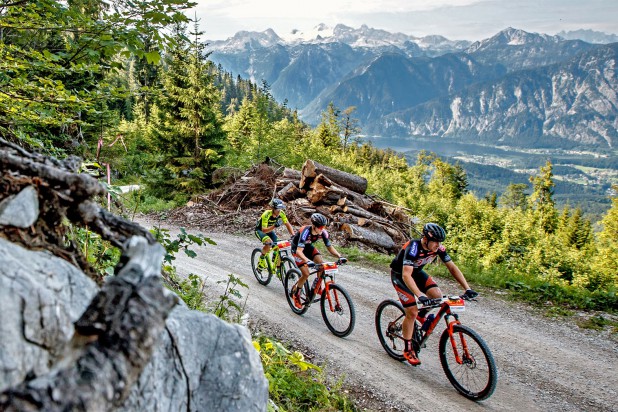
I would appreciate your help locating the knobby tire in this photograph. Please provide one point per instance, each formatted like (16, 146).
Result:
(388, 319)
(291, 277)
(340, 321)
(263, 276)
(477, 377)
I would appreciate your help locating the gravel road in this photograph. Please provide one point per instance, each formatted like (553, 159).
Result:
(543, 364)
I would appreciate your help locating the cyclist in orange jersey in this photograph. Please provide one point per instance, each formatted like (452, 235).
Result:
(306, 254)
(411, 282)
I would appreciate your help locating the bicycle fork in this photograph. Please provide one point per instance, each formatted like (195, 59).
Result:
(467, 357)
(332, 298)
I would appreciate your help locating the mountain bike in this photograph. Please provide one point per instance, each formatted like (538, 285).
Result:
(278, 262)
(335, 302)
(464, 355)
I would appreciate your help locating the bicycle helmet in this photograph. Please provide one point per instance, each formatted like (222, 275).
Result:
(434, 232)
(319, 220)
(277, 204)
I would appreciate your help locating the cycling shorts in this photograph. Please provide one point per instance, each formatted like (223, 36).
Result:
(309, 250)
(423, 281)
(270, 237)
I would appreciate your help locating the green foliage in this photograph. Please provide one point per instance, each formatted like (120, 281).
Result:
(229, 307)
(297, 385)
(99, 253)
(55, 59)
(189, 131)
(598, 322)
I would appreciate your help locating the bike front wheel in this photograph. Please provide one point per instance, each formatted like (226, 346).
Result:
(389, 326)
(474, 374)
(286, 264)
(262, 275)
(338, 310)
(291, 277)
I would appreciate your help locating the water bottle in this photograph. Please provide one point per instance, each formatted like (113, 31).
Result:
(428, 321)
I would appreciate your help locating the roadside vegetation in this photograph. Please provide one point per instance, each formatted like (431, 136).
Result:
(132, 92)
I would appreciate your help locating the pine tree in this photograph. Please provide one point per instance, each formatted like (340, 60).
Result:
(542, 200)
(190, 133)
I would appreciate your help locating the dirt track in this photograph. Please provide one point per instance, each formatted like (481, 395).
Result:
(543, 364)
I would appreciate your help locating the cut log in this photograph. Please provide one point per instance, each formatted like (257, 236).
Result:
(330, 192)
(312, 169)
(375, 236)
(289, 192)
(291, 174)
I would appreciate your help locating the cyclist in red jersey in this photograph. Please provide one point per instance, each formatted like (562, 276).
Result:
(412, 282)
(306, 254)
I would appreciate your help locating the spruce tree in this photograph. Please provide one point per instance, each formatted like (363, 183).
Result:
(190, 131)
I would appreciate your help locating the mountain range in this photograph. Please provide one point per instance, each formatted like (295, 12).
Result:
(517, 88)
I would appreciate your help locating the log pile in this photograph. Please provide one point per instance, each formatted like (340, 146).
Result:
(341, 197)
(354, 217)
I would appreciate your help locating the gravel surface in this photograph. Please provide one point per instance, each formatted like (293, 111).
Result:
(544, 364)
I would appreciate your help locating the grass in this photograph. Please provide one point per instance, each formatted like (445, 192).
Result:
(564, 298)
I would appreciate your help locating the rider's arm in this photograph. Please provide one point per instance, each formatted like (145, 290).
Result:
(290, 228)
(333, 251)
(456, 273)
(406, 275)
(300, 254)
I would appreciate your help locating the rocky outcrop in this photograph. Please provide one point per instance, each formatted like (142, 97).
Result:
(70, 342)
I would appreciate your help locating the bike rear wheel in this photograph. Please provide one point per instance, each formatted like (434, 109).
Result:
(291, 277)
(476, 376)
(264, 275)
(338, 310)
(389, 319)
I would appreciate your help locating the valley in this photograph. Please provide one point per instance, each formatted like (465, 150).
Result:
(583, 178)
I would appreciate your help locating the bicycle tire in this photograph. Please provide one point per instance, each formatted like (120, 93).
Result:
(476, 378)
(341, 320)
(286, 264)
(291, 277)
(263, 276)
(388, 319)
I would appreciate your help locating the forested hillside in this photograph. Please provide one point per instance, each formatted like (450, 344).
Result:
(133, 93)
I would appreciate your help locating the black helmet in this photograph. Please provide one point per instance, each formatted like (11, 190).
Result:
(318, 219)
(434, 232)
(277, 204)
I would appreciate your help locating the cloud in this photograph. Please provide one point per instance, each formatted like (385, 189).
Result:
(258, 9)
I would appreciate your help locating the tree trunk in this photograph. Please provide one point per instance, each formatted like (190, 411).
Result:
(312, 169)
(291, 174)
(373, 236)
(289, 192)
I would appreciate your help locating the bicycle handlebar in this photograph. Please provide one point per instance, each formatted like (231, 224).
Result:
(338, 262)
(433, 303)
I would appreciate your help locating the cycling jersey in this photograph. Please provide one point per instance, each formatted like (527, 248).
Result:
(413, 254)
(304, 237)
(267, 219)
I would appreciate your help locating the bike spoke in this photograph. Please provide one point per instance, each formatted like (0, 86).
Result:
(468, 363)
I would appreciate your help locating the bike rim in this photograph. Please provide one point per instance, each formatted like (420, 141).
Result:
(468, 365)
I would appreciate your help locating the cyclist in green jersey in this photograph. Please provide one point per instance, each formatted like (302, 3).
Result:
(265, 227)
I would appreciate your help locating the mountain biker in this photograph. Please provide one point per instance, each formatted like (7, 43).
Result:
(411, 282)
(306, 254)
(265, 227)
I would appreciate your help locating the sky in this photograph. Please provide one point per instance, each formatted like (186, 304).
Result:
(455, 19)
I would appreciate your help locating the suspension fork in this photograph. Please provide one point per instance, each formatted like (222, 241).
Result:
(328, 295)
(464, 344)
